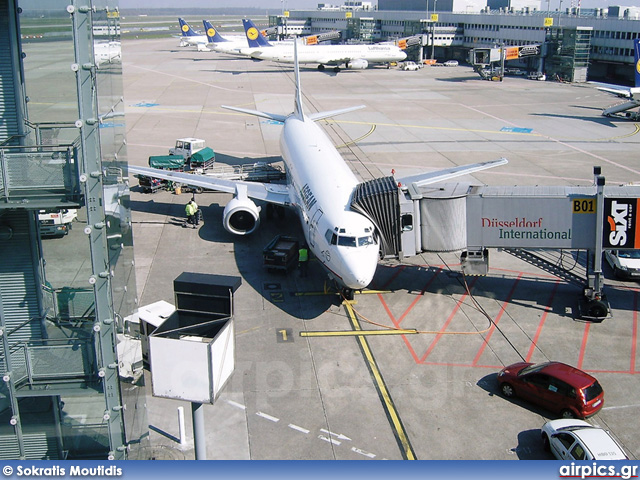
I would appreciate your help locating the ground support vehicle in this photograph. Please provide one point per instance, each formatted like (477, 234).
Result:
(281, 253)
(56, 223)
(579, 440)
(410, 66)
(625, 263)
(555, 386)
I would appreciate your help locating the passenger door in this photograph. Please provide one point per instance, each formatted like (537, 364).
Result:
(534, 388)
(561, 444)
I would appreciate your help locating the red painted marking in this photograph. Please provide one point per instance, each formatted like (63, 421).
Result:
(534, 342)
(583, 346)
(396, 322)
(446, 324)
(496, 320)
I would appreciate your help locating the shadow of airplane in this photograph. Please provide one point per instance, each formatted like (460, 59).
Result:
(601, 120)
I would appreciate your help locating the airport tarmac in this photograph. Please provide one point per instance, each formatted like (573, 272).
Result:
(304, 386)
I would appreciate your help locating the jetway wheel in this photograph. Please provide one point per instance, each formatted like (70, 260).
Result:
(597, 310)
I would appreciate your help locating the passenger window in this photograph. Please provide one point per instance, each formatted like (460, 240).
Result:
(407, 222)
(565, 439)
(578, 452)
(539, 380)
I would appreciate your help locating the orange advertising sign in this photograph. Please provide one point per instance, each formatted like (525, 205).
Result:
(512, 53)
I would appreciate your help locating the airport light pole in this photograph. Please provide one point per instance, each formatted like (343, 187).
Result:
(433, 31)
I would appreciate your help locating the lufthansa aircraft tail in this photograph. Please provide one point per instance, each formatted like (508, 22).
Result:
(298, 111)
(186, 29)
(636, 50)
(212, 34)
(254, 37)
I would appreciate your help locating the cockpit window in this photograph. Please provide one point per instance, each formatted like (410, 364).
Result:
(345, 241)
(364, 241)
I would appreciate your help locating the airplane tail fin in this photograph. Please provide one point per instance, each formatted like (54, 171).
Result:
(186, 29)
(212, 34)
(636, 49)
(298, 111)
(254, 37)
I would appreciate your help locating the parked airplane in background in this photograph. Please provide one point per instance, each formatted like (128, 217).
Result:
(352, 56)
(107, 52)
(631, 93)
(191, 38)
(320, 188)
(235, 46)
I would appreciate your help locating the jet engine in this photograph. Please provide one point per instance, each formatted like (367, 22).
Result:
(241, 216)
(358, 64)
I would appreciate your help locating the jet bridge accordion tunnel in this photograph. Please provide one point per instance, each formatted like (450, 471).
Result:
(450, 217)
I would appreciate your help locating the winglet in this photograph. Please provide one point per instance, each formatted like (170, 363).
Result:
(254, 37)
(212, 34)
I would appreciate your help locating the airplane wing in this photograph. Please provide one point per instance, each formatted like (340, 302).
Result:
(327, 60)
(427, 178)
(269, 192)
(619, 90)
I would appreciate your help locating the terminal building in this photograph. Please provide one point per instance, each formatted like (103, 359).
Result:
(67, 276)
(575, 45)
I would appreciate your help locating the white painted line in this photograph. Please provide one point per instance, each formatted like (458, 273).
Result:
(338, 435)
(300, 429)
(236, 404)
(268, 417)
(616, 407)
(330, 440)
(362, 452)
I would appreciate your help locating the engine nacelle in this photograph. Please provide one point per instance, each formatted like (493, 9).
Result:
(358, 64)
(241, 216)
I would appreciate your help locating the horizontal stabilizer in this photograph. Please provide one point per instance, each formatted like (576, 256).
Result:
(257, 113)
(332, 113)
(422, 179)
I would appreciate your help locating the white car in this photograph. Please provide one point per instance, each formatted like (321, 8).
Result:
(570, 439)
(411, 66)
(451, 63)
(625, 263)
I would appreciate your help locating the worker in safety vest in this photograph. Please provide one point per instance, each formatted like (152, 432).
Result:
(303, 259)
(191, 209)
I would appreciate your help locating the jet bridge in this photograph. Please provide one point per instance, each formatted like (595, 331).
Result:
(520, 219)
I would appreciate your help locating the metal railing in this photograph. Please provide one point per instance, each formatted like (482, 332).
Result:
(39, 173)
(45, 361)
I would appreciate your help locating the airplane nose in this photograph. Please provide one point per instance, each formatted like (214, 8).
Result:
(362, 268)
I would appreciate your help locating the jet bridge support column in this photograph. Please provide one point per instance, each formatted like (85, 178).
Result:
(594, 305)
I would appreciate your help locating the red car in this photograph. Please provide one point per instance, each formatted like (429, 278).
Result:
(558, 387)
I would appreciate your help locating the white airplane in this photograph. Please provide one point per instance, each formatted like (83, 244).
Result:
(233, 46)
(107, 52)
(191, 38)
(630, 93)
(320, 187)
(352, 56)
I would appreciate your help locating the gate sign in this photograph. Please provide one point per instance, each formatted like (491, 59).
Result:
(621, 228)
(533, 217)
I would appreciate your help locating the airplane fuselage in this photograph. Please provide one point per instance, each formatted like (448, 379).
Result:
(332, 54)
(321, 186)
